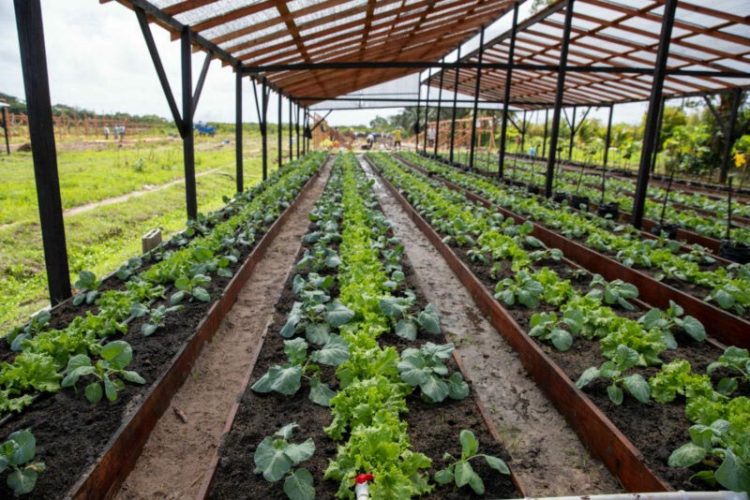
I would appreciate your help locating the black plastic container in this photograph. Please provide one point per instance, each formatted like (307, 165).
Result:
(734, 251)
(611, 210)
(669, 229)
(560, 196)
(576, 202)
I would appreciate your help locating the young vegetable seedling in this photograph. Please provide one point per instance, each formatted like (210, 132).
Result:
(17, 455)
(461, 471)
(275, 458)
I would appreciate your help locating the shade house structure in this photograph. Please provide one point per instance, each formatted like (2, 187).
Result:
(321, 56)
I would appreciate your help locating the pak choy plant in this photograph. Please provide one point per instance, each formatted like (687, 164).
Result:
(426, 368)
(400, 311)
(157, 317)
(522, 289)
(109, 372)
(673, 319)
(615, 292)
(88, 288)
(276, 458)
(736, 361)
(37, 323)
(614, 371)
(460, 472)
(286, 379)
(17, 460)
(191, 288)
(547, 326)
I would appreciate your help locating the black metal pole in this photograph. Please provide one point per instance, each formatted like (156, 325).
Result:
(238, 130)
(455, 97)
(506, 95)
(652, 118)
(309, 138)
(605, 159)
(572, 134)
(427, 112)
(551, 158)
(291, 140)
(728, 140)
(264, 126)
(544, 140)
(729, 213)
(439, 110)
(41, 130)
(188, 145)
(279, 160)
(6, 129)
(523, 132)
(475, 114)
(296, 127)
(416, 124)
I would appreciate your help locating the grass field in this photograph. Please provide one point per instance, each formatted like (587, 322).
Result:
(102, 238)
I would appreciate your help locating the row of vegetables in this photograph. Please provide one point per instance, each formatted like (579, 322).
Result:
(351, 295)
(90, 353)
(560, 305)
(696, 270)
(686, 210)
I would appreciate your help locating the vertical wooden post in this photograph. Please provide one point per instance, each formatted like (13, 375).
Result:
(188, 144)
(6, 129)
(41, 129)
(551, 158)
(278, 132)
(652, 117)
(728, 132)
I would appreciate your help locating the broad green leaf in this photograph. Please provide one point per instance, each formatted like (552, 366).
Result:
(637, 386)
(133, 377)
(429, 319)
(24, 449)
(392, 307)
(299, 485)
(320, 393)
(118, 353)
(457, 387)
(296, 351)
(300, 452)
(686, 455)
(498, 464)
(406, 329)
(724, 299)
(625, 357)
(110, 389)
(732, 474)
(286, 431)
(469, 444)
(588, 376)
(295, 315)
(286, 381)
(726, 386)
(177, 297)
(463, 473)
(561, 339)
(272, 461)
(148, 329)
(317, 333)
(434, 389)
(22, 481)
(694, 328)
(337, 314)
(615, 394)
(333, 353)
(94, 392)
(444, 476)
(201, 294)
(72, 377)
(476, 484)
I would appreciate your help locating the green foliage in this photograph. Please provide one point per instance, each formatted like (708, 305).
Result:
(677, 378)
(460, 471)
(17, 459)
(614, 371)
(425, 368)
(735, 360)
(275, 458)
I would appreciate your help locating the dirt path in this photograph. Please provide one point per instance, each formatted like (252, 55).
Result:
(174, 460)
(548, 458)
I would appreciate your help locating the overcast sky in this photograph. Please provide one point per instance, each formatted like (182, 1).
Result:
(98, 60)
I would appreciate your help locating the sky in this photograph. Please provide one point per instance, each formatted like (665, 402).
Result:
(97, 59)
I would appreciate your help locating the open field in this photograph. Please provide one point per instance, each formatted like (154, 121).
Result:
(102, 237)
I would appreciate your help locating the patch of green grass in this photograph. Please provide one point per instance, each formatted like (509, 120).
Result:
(103, 238)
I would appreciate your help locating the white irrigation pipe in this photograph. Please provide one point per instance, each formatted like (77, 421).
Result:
(670, 495)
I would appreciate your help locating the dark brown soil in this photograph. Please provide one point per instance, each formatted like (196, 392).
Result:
(655, 429)
(71, 433)
(433, 429)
